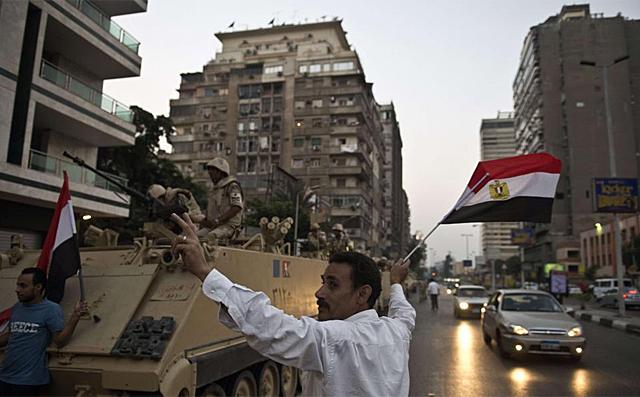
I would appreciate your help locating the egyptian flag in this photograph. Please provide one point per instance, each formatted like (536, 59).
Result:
(511, 189)
(60, 254)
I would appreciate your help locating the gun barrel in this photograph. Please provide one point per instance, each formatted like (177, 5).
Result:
(128, 190)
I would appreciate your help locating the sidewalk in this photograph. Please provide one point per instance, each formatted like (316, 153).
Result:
(606, 318)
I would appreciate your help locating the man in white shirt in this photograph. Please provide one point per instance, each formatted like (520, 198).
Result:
(433, 289)
(348, 350)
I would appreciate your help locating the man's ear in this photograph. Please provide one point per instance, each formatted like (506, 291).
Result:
(364, 293)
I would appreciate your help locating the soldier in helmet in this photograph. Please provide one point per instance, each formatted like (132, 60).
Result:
(317, 241)
(224, 210)
(340, 241)
(169, 197)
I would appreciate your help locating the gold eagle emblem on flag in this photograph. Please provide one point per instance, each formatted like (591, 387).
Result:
(499, 190)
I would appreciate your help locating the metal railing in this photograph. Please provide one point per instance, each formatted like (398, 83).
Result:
(62, 79)
(105, 22)
(43, 162)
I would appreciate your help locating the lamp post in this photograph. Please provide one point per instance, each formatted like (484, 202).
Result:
(466, 237)
(612, 170)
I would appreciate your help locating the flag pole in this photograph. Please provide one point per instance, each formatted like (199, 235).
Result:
(463, 199)
(81, 282)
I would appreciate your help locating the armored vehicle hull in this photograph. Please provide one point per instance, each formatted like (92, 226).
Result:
(152, 330)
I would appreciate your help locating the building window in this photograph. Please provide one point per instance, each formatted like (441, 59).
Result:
(249, 91)
(276, 124)
(266, 105)
(275, 144)
(341, 66)
(317, 123)
(277, 104)
(241, 127)
(297, 163)
(273, 69)
(316, 143)
(316, 103)
(298, 142)
(326, 67)
(223, 91)
(314, 163)
(209, 91)
(341, 182)
(303, 68)
(315, 68)
(299, 105)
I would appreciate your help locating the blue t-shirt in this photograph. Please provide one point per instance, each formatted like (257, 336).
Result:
(32, 327)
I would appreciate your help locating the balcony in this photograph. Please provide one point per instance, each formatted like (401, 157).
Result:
(64, 80)
(43, 162)
(121, 7)
(105, 22)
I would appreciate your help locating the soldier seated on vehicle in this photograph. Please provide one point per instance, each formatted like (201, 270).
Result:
(225, 206)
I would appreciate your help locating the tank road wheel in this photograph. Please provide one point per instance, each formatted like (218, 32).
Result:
(269, 380)
(244, 385)
(288, 381)
(214, 390)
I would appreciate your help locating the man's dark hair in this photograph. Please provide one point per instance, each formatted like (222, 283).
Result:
(364, 271)
(39, 276)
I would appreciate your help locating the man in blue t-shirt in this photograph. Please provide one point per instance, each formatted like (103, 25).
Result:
(35, 322)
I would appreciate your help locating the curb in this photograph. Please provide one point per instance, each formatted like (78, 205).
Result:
(606, 321)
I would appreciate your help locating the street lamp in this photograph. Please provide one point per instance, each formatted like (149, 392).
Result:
(612, 170)
(466, 237)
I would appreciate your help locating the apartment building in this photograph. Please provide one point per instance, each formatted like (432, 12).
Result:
(497, 140)
(54, 58)
(294, 97)
(396, 239)
(559, 108)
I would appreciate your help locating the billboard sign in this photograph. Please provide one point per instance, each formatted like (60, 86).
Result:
(615, 195)
(522, 237)
(467, 263)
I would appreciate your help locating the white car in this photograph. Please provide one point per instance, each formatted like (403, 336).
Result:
(525, 321)
(468, 300)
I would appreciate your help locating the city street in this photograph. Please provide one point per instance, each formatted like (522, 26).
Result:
(449, 358)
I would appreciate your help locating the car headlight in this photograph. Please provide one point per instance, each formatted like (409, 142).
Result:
(575, 331)
(449, 291)
(518, 330)
(463, 305)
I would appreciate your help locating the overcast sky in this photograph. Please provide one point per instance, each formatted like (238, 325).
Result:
(445, 64)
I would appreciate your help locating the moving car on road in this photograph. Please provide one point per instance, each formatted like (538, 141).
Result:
(525, 321)
(468, 300)
(606, 286)
(631, 298)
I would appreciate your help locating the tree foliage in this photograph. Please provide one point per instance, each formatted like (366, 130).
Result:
(418, 257)
(281, 206)
(141, 165)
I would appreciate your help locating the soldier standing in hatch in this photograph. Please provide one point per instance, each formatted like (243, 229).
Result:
(339, 240)
(169, 195)
(225, 206)
(317, 241)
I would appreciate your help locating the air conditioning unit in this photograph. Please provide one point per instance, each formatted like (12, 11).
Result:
(315, 148)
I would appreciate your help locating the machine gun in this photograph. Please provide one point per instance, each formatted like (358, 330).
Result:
(158, 209)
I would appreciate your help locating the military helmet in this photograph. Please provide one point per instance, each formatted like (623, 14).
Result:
(156, 191)
(315, 226)
(338, 227)
(220, 164)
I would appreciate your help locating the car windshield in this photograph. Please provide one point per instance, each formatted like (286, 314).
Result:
(472, 293)
(530, 303)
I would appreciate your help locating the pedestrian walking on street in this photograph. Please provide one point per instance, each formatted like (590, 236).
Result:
(348, 351)
(433, 289)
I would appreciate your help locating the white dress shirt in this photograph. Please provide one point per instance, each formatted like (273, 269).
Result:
(433, 288)
(364, 355)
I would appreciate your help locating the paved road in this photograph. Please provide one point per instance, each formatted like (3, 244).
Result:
(449, 358)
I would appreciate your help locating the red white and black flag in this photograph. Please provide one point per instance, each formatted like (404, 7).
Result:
(511, 189)
(60, 254)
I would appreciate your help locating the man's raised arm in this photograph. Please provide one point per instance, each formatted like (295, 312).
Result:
(271, 332)
(399, 308)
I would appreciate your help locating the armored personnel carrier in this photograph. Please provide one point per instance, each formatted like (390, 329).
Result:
(151, 330)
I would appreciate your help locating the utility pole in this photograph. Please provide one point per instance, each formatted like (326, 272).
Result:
(466, 237)
(617, 235)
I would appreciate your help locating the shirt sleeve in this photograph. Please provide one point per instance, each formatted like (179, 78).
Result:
(400, 309)
(300, 343)
(235, 195)
(55, 320)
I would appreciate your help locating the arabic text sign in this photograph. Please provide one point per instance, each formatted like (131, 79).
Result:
(615, 194)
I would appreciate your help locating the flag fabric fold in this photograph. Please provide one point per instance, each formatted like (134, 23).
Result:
(511, 189)
(60, 254)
